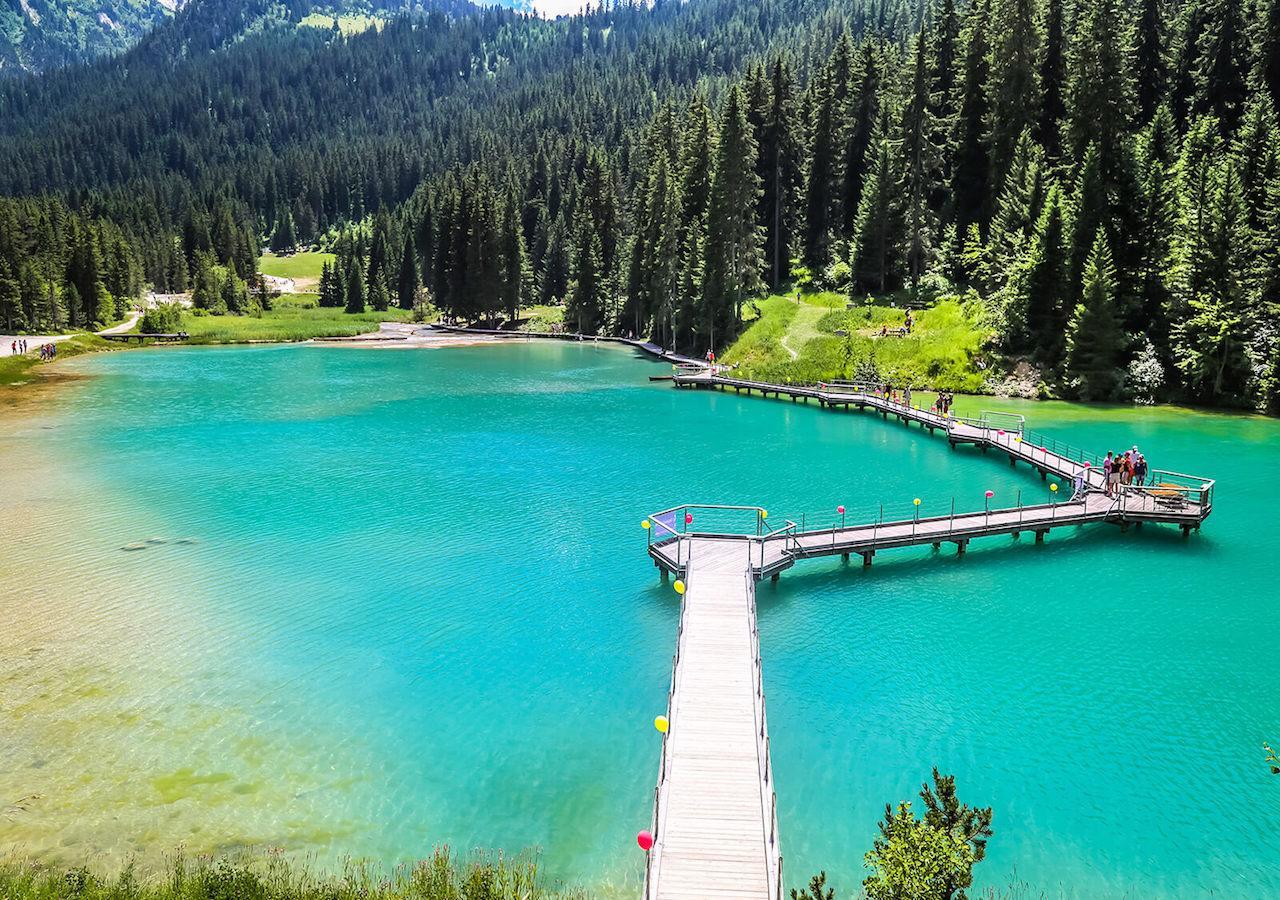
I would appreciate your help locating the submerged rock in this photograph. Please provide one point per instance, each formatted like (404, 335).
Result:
(136, 545)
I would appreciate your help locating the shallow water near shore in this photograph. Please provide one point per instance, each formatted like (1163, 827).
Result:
(376, 602)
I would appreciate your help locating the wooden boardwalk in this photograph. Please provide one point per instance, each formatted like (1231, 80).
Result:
(715, 818)
(715, 813)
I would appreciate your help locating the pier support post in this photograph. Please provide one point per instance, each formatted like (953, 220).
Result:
(1040, 536)
(1013, 461)
(866, 558)
(937, 545)
(961, 545)
(1186, 530)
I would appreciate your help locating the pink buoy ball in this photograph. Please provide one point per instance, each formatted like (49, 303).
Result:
(688, 518)
(1000, 432)
(1088, 465)
(840, 509)
(990, 494)
(645, 840)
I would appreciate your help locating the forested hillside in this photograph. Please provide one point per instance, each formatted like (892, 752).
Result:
(43, 34)
(1100, 173)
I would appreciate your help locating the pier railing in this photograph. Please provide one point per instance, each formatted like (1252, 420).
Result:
(657, 825)
(768, 793)
(1171, 491)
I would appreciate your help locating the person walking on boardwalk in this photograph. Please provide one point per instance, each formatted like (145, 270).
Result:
(906, 396)
(1140, 470)
(1107, 465)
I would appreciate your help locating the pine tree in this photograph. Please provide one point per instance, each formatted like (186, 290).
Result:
(1096, 342)
(515, 275)
(407, 279)
(780, 168)
(922, 171)
(822, 174)
(1053, 79)
(584, 306)
(1212, 341)
(11, 312)
(354, 296)
(971, 166)
(1100, 81)
(1223, 68)
(1037, 293)
(877, 239)
(862, 118)
(1014, 81)
(1150, 64)
(1266, 49)
(1018, 208)
(733, 248)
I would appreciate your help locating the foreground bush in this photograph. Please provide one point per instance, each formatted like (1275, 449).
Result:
(442, 877)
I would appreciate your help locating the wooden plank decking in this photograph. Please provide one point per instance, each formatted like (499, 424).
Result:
(715, 820)
(715, 814)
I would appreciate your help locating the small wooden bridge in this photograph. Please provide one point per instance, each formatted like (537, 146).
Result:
(715, 814)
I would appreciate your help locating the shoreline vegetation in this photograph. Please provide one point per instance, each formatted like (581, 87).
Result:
(271, 876)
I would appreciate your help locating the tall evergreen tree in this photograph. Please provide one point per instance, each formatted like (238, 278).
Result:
(733, 249)
(971, 167)
(407, 278)
(1095, 341)
(922, 170)
(877, 239)
(1014, 80)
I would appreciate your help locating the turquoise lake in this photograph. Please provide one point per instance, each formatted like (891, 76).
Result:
(384, 600)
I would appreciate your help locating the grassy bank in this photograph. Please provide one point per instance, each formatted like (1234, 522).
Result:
(818, 339)
(293, 317)
(443, 877)
(20, 370)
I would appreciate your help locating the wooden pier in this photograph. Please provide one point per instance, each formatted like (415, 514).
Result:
(715, 822)
(715, 812)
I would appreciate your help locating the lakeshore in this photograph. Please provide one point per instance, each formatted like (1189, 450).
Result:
(431, 642)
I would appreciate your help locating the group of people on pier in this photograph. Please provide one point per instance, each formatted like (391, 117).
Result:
(1125, 468)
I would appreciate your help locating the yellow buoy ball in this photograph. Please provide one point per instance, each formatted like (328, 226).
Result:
(661, 724)
(764, 513)
(916, 501)
(645, 524)
(679, 586)
(1054, 488)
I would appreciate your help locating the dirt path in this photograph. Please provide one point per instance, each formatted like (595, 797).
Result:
(35, 340)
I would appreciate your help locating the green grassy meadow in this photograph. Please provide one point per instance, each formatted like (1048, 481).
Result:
(347, 24)
(293, 317)
(801, 342)
(303, 268)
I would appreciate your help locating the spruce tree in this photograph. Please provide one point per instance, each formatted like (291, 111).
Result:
(1053, 78)
(1150, 63)
(971, 164)
(1096, 342)
(822, 173)
(407, 277)
(877, 239)
(584, 307)
(1100, 81)
(733, 248)
(1212, 341)
(1223, 63)
(922, 171)
(354, 296)
(1015, 91)
(1018, 208)
(11, 312)
(780, 168)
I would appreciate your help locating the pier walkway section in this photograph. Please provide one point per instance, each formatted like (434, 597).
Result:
(715, 813)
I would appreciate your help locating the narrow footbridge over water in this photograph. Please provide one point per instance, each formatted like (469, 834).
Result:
(715, 822)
